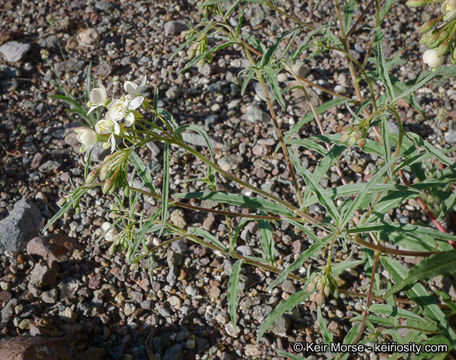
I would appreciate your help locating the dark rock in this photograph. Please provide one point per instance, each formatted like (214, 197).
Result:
(54, 248)
(23, 223)
(174, 353)
(36, 348)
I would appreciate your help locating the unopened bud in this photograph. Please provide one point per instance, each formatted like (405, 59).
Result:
(428, 25)
(416, 3)
(109, 186)
(444, 47)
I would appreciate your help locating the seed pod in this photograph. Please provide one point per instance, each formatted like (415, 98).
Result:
(327, 290)
(428, 25)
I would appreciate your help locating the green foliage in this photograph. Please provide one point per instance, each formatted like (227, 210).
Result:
(359, 213)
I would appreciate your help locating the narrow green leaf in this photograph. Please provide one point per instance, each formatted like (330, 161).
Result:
(66, 99)
(348, 13)
(266, 239)
(70, 201)
(146, 227)
(314, 186)
(209, 51)
(165, 189)
(329, 160)
(314, 249)
(309, 117)
(238, 200)
(327, 335)
(290, 356)
(207, 236)
(443, 263)
(237, 232)
(385, 8)
(367, 187)
(143, 171)
(432, 149)
(395, 311)
(381, 63)
(283, 307)
(271, 79)
(233, 292)
(419, 294)
(397, 227)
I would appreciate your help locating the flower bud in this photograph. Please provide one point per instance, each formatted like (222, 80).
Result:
(428, 25)
(432, 58)
(416, 3)
(443, 48)
(319, 299)
(109, 186)
(93, 175)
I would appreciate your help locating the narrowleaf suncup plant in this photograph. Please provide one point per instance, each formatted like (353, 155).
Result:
(359, 217)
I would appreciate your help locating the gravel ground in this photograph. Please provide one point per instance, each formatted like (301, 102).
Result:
(71, 285)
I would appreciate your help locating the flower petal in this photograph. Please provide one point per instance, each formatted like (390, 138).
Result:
(136, 103)
(130, 119)
(130, 87)
(143, 82)
(116, 128)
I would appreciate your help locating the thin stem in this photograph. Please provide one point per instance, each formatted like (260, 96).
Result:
(369, 299)
(387, 250)
(289, 206)
(277, 127)
(290, 16)
(317, 118)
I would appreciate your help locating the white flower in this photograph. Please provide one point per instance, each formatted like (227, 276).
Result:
(97, 98)
(134, 93)
(122, 108)
(87, 137)
(107, 126)
(432, 58)
(134, 90)
(117, 109)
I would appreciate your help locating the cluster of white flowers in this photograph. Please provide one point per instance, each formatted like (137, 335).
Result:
(434, 57)
(118, 110)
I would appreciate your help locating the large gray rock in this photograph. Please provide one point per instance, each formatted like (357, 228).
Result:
(13, 51)
(22, 224)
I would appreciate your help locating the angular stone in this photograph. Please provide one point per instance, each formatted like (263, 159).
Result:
(41, 276)
(53, 248)
(174, 28)
(256, 114)
(230, 162)
(36, 348)
(23, 223)
(88, 37)
(13, 51)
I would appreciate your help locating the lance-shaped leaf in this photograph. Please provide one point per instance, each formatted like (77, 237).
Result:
(233, 292)
(443, 263)
(283, 307)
